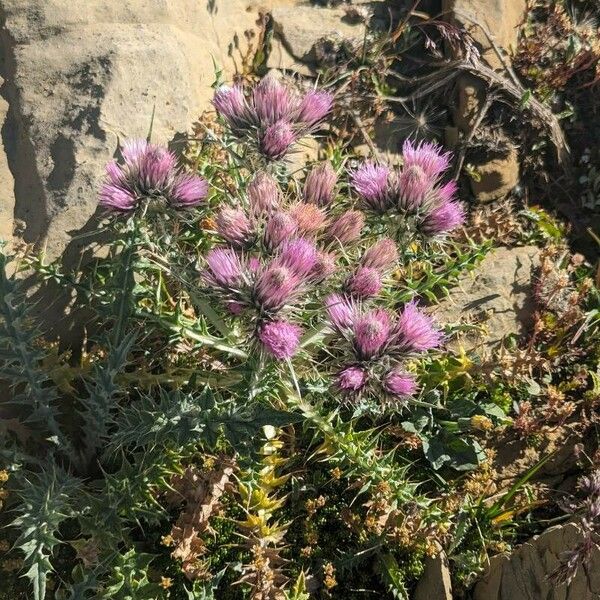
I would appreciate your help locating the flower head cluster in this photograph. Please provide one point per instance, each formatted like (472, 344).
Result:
(149, 171)
(269, 220)
(377, 344)
(415, 192)
(268, 267)
(272, 116)
(367, 280)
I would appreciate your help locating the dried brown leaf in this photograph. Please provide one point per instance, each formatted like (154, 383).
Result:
(201, 491)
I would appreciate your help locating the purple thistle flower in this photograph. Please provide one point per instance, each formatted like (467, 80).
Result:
(114, 196)
(149, 170)
(155, 169)
(309, 217)
(371, 183)
(364, 283)
(280, 338)
(340, 312)
(401, 384)
(427, 156)
(447, 192)
(133, 151)
(371, 333)
(382, 255)
(277, 139)
(273, 101)
(231, 105)
(253, 264)
(351, 379)
(412, 186)
(324, 268)
(275, 286)
(263, 195)
(115, 174)
(299, 255)
(314, 107)
(280, 227)
(319, 187)
(415, 331)
(224, 268)
(347, 227)
(188, 190)
(234, 226)
(444, 218)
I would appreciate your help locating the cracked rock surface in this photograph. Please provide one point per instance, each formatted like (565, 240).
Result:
(81, 75)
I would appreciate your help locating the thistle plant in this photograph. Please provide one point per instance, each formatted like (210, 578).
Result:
(149, 171)
(376, 345)
(269, 305)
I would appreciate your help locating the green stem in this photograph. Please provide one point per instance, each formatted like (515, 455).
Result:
(209, 341)
(123, 302)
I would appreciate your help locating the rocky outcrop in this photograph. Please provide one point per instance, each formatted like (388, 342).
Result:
(524, 574)
(7, 199)
(494, 26)
(486, 20)
(298, 29)
(80, 75)
(497, 295)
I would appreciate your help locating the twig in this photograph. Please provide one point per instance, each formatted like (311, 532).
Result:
(358, 122)
(515, 91)
(399, 30)
(490, 97)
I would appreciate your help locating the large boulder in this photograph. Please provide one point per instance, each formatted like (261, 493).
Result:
(298, 29)
(80, 75)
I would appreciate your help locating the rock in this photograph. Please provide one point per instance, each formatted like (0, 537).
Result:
(523, 575)
(435, 583)
(7, 197)
(81, 75)
(497, 177)
(500, 19)
(297, 29)
(498, 294)
(498, 174)
(470, 97)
